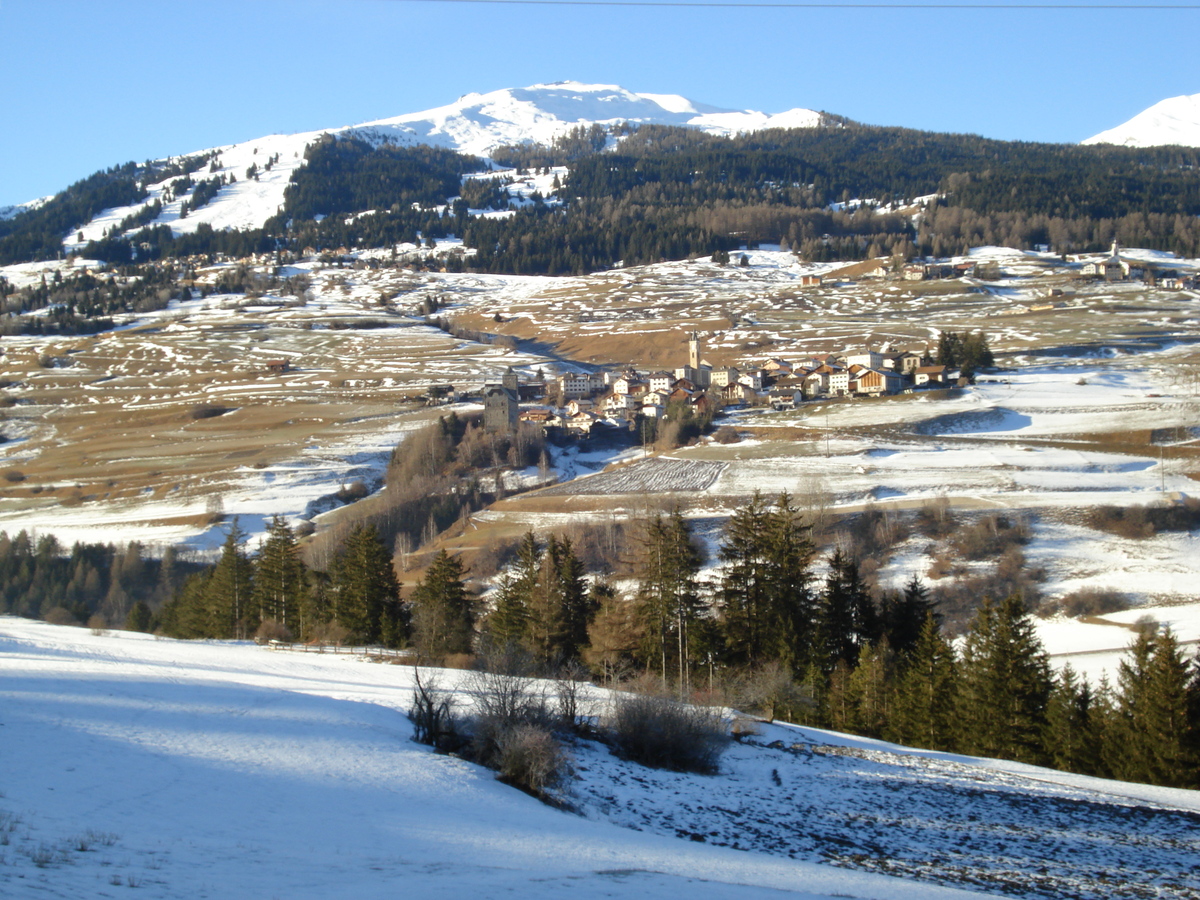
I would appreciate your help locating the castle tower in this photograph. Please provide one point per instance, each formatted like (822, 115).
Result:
(695, 348)
(509, 380)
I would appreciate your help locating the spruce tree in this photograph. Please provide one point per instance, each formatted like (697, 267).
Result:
(926, 693)
(442, 615)
(848, 618)
(1153, 738)
(364, 589)
(1072, 739)
(279, 576)
(1005, 683)
(668, 599)
(227, 607)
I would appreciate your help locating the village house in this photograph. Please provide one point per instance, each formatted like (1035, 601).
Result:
(661, 381)
(785, 398)
(869, 359)
(574, 384)
(723, 375)
(738, 393)
(935, 375)
(579, 404)
(753, 379)
(878, 381)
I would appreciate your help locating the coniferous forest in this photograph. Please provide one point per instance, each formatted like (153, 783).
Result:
(765, 634)
(671, 193)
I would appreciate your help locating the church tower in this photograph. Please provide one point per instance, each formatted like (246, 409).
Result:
(694, 350)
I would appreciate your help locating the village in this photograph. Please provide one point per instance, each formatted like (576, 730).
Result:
(576, 402)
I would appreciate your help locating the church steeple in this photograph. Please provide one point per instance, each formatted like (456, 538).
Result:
(695, 349)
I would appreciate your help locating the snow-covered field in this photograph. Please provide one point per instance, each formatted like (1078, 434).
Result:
(226, 770)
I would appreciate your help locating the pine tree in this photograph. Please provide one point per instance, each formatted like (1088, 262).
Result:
(903, 616)
(442, 615)
(1005, 683)
(926, 693)
(668, 599)
(1072, 740)
(279, 576)
(227, 593)
(871, 689)
(767, 605)
(364, 590)
(1153, 737)
(848, 618)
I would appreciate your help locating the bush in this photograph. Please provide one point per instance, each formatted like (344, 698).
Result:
(432, 715)
(270, 630)
(531, 758)
(14, 476)
(1089, 601)
(990, 537)
(60, 615)
(97, 623)
(1145, 521)
(665, 734)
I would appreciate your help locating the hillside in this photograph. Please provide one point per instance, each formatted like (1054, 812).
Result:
(572, 178)
(226, 770)
(1175, 120)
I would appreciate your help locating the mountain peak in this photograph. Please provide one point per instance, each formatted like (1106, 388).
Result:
(1175, 120)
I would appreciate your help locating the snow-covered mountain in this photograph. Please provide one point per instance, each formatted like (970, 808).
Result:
(475, 124)
(1172, 121)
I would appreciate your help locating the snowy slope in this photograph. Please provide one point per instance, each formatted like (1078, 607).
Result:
(1172, 121)
(213, 770)
(475, 124)
(224, 770)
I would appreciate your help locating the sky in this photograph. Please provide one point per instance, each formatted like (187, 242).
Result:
(86, 85)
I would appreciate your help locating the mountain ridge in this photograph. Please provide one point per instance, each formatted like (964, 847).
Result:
(1175, 120)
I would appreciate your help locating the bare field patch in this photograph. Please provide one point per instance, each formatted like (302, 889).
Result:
(654, 476)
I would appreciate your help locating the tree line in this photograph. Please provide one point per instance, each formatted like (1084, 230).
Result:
(668, 193)
(764, 633)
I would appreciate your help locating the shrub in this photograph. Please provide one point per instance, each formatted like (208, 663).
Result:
(432, 715)
(348, 493)
(270, 630)
(989, 537)
(726, 434)
(935, 519)
(97, 623)
(14, 476)
(531, 758)
(665, 734)
(60, 615)
(1089, 601)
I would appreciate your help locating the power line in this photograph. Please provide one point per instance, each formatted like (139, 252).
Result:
(756, 4)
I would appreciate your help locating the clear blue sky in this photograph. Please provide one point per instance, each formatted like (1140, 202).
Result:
(86, 85)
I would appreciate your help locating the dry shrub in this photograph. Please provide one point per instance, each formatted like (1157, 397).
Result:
(1146, 521)
(60, 615)
(348, 493)
(726, 434)
(489, 560)
(531, 758)
(270, 630)
(14, 476)
(989, 537)
(662, 733)
(432, 715)
(935, 519)
(329, 633)
(940, 566)
(97, 623)
(1088, 601)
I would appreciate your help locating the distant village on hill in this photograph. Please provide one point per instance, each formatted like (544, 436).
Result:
(576, 402)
